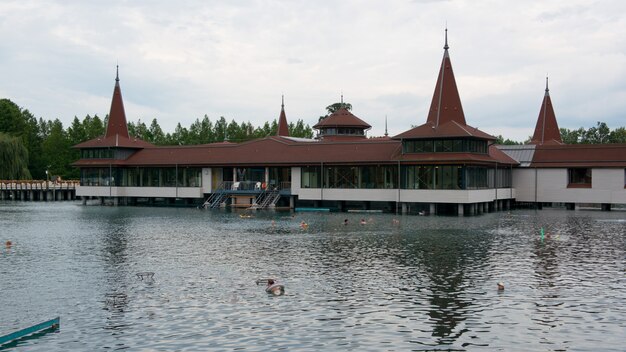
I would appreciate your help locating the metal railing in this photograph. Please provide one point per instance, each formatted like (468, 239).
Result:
(268, 195)
(17, 185)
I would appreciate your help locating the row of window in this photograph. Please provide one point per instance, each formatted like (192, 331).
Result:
(412, 177)
(365, 177)
(96, 153)
(142, 177)
(106, 153)
(455, 145)
(342, 131)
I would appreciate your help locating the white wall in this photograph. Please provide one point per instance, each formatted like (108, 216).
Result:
(165, 192)
(607, 186)
(524, 184)
(412, 196)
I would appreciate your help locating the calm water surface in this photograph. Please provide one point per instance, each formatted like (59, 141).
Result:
(425, 283)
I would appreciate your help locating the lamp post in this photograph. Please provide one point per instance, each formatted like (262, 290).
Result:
(47, 185)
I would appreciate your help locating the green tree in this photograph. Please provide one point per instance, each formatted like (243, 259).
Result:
(13, 158)
(299, 129)
(57, 151)
(180, 136)
(501, 140)
(618, 135)
(94, 127)
(11, 118)
(570, 136)
(156, 133)
(596, 135)
(330, 109)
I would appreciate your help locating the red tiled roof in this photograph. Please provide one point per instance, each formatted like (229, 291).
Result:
(274, 151)
(117, 131)
(282, 151)
(445, 116)
(446, 103)
(447, 130)
(342, 118)
(114, 141)
(117, 115)
(579, 155)
(501, 156)
(547, 129)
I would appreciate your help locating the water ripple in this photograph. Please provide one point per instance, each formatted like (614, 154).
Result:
(428, 283)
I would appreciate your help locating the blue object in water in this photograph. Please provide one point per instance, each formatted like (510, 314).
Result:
(312, 209)
(50, 324)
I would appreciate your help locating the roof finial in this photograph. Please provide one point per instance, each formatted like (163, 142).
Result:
(547, 90)
(117, 73)
(445, 47)
(341, 99)
(282, 104)
(386, 134)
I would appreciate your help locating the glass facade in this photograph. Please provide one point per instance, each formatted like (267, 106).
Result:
(453, 145)
(142, 177)
(412, 177)
(97, 153)
(342, 131)
(363, 177)
(311, 177)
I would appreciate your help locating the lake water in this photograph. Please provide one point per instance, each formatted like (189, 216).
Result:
(422, 283)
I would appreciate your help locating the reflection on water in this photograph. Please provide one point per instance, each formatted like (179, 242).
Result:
(420, 283)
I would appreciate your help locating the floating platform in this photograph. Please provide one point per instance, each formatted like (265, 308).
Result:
(313, 209)
(51, 324)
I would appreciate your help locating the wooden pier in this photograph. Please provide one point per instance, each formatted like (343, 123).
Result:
(37, 190)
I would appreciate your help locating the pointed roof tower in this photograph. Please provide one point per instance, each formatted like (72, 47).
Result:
(116, 134)
(446, 103)
(283, 127)
(445, 117)
(117, 116)
(547, 129)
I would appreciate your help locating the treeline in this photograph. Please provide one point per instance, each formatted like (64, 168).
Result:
(29, 146)
(600, 134)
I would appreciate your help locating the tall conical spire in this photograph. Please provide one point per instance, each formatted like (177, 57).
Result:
(117, 116)
(446, 103)
(547, 129)
(283, 127)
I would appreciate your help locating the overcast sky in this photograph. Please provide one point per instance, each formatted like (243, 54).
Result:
(180, 60)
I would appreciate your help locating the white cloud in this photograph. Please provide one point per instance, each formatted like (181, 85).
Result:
(179, 61)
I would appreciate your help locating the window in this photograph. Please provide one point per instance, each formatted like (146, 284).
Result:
(311, 177)
(453, 145)
(579, 178)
